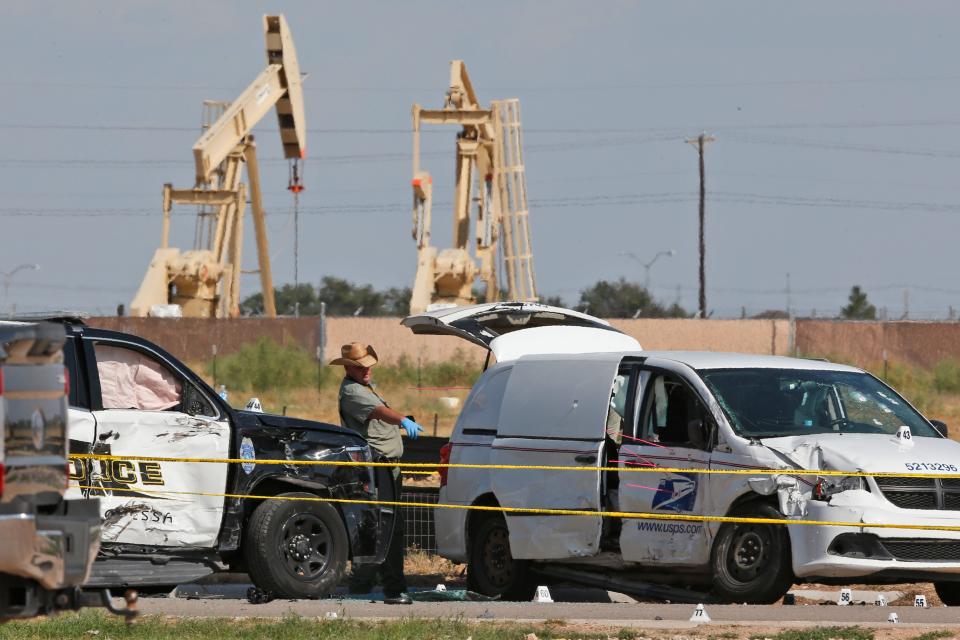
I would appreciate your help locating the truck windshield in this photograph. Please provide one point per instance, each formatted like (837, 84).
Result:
(794, 402)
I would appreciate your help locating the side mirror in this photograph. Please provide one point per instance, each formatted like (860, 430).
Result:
(192, 402)
(941, 427)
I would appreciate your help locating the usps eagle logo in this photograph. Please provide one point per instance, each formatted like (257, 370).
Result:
(676, 493)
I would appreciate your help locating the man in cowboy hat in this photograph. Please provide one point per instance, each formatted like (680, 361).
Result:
(362, 409)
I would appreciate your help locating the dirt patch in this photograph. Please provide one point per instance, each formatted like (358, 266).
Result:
(909, 590)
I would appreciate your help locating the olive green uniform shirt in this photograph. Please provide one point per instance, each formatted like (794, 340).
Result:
(357, 401)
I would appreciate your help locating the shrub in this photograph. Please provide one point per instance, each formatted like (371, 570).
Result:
(946, 376)
(265, 365)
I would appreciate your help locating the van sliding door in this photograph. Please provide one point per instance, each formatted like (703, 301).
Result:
(554, 414)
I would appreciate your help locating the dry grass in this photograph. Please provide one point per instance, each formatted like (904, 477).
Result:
(320, 404)
(424, 569)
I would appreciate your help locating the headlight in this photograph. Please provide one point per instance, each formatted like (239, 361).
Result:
(360, 454)
(833, 485)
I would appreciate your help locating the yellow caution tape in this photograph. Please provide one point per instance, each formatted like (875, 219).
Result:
(436, 465)
(555, 512)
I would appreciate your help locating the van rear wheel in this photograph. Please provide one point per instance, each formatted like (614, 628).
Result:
(491, 570)
(751, 562)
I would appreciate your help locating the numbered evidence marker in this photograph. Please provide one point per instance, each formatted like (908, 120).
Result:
(905, 437)
(880, 600)
(543, 595)
(700, 614)
(846, 597)
(920, 601)
(893, 617)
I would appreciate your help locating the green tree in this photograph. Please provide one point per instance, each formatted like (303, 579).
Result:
(343, 298)
(286, 298)
(396, 301)
(553, 301)
(622, 299)
(859, 307)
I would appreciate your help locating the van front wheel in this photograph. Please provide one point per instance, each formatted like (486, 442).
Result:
(751, 562)
(492, 571)
(949, 593)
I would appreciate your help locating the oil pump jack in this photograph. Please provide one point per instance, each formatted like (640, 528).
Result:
(205, 281)
(490, 189)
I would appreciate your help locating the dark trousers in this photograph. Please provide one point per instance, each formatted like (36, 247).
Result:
(390, 573)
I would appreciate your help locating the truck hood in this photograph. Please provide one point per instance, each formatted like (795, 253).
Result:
(865, 452)
(514, 329)
(287, 422)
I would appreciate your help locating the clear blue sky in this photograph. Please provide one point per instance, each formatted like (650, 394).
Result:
(836, 158)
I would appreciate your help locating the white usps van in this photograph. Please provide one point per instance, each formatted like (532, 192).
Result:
(569, 390)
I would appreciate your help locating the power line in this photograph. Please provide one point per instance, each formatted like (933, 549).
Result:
(843, 146)
(620, 86)
(323, 159)
(673, 130)
(626, 199)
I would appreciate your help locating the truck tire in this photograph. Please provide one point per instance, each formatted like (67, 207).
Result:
(751, 563)
(491, 570)
(296, 549)
(949, 593)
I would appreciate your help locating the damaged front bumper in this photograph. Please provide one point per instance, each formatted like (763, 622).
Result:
(45, 558)
(880, 552)
(55, 550)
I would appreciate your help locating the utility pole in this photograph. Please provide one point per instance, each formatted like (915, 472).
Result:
(789, 311)
(700, 141)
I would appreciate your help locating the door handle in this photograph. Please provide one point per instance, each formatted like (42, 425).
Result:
(586, 458)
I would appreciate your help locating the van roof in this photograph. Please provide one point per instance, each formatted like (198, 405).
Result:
(704, 360)
(723, 360)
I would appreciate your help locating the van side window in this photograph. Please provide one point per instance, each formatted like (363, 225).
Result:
(617, 411)
(622, 411)
(482, 410)
(673, 414)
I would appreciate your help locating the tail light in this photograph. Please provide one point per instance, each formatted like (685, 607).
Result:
(444, 459)
(66, 382)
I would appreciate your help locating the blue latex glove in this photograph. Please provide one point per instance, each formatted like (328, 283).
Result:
(413, 429)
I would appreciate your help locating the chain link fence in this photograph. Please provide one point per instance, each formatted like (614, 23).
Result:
(421, 533)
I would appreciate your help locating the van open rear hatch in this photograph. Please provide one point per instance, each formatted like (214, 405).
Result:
(514, 329)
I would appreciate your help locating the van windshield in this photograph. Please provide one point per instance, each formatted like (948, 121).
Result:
(795, 402)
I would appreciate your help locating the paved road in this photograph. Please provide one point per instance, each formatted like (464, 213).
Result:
(598, 611)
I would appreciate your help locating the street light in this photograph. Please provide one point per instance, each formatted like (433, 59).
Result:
(8, 277)
(647, 265)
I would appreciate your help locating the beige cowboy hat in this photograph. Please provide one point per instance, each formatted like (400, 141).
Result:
(357, 355)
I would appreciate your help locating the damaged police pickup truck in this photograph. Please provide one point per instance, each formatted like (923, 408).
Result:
(166, 523)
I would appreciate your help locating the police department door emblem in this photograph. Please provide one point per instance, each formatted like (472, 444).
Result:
(247, 453)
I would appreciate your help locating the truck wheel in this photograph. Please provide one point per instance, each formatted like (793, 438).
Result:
(491, 570)
(751, 562)
(296, 549)
(949, 593)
